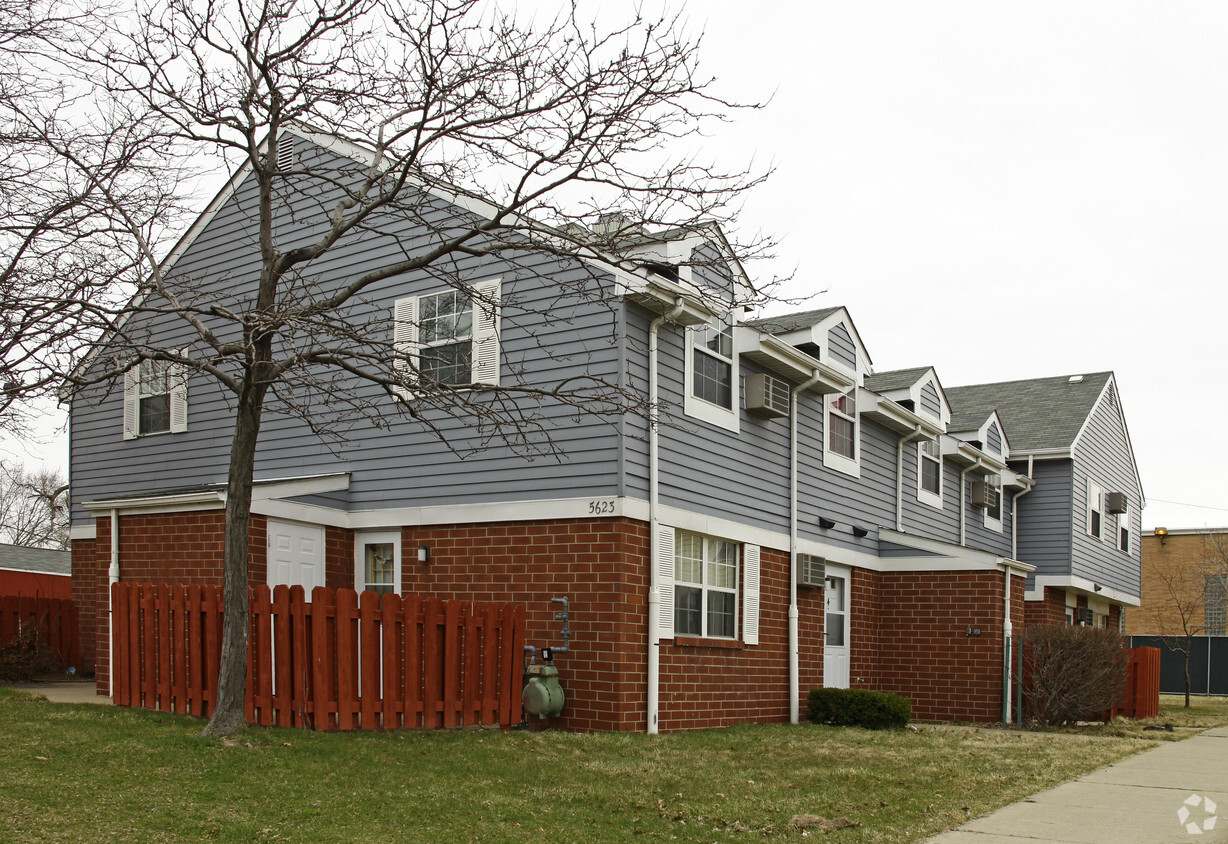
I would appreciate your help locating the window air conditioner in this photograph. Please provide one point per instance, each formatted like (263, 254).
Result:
(1085, 617)
(811, 569)
(984, 496)
(767, 396)
(1117, 503)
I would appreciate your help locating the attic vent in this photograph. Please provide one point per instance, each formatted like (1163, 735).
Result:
(984, 496)
(1076, 379)
(285, 152)
(811, 569)
(767, 396)
(1112, 396)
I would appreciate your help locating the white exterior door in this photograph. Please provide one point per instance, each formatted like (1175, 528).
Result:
(836, 627)
(296, 555)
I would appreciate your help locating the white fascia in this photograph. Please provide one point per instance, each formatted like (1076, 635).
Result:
(968, 557)
(208, 500)
(788, 362)
(1082, 584)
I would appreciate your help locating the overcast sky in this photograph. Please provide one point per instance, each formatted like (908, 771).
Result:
(1002, 191)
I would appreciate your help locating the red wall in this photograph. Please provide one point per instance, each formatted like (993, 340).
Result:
(30, 584)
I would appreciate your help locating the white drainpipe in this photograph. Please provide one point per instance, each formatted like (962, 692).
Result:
(1007, 630)
(899, 475)
(794, 669)
(654, 560)
(112, 579)
(963, 504)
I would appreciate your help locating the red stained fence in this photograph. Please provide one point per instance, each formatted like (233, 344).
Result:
(1142, 697)
(56, 619)
(343, 661)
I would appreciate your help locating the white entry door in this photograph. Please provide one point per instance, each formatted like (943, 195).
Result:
(836, 628)
(296, 555)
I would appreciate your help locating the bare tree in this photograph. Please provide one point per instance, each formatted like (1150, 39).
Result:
(1179, 610)
(540, 130)
(33, 507)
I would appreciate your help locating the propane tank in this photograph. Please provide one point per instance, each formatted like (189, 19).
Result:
(543, 695)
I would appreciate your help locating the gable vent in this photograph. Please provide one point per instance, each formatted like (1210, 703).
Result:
(767, 396)
(285, 152)
(811, 569)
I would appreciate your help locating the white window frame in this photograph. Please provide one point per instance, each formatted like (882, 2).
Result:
(706, 585)
(176, 391)
(1095, 505)
(384, 537)
(693, 405)
(833, 459)
(485, 298)
(924, 495)
(991, 523)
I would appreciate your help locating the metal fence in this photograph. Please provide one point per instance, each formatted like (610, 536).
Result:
(1208, 663)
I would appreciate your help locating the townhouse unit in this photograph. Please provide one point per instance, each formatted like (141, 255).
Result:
(794, 519)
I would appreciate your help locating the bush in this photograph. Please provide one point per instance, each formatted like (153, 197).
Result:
(25, 657)
(1072, 673)
(858, 708)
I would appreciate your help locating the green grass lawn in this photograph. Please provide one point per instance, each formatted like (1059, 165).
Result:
(87, 773)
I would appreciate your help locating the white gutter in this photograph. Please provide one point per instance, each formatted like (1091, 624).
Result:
(899, 475)
(654, 552)
(112, 579)
(1007, 631)
(1015, 514)
(794, 669)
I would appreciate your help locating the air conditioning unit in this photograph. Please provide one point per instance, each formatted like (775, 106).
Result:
(767, 396)
(1118, 503)
(984, 495)
(1085, 617)
(811, 569)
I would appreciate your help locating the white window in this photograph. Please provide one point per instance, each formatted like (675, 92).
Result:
(1095, 510)
(450, 337)
(712, 374)
(840, 442)
(1123, 530)
(993, 513)
(155, 399)
(377, 557)
(929, 473)
(705, 586)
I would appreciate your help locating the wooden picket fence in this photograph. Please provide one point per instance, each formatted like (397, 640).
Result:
(56, 619)
(1142, 694)
(343, 661)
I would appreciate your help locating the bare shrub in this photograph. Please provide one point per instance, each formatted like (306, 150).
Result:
(26, 656)
(1072, 674)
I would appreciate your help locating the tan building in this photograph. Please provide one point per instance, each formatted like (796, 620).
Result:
(1184, 580)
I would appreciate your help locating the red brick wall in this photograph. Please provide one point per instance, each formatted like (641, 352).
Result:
(926, 653)
(866, 610)
(1050, 610)
(89, 583)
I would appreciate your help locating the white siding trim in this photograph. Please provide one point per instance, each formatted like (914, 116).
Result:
(750, 594)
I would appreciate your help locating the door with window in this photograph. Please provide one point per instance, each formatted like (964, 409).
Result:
(836, 628)
(296, 554)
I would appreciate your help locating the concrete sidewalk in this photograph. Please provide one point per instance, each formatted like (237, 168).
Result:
(64, 691)
(1138, 800)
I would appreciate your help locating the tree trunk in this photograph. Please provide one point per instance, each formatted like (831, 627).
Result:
(1188, 648)
(229, 714)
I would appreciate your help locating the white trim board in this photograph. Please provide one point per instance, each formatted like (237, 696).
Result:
(1069, 581)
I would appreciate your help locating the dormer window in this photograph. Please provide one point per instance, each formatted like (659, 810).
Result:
(840, 451)
(712, 374)
(929, 473)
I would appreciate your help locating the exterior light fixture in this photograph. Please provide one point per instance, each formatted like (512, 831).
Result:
(860, 532)
(826, 523)
(1162, 533)
(424, 553)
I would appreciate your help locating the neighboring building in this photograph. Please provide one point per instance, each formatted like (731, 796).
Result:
(817, 523)
(35, 572)
(1184, 573)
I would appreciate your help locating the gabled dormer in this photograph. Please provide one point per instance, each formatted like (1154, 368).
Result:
(916, 389)
(827, 334)
(984, 432)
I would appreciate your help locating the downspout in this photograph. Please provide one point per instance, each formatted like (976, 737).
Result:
(899, 476)
(1007, 630)
(963, 501)
(794, 670)
(654, 560)
(112, 579)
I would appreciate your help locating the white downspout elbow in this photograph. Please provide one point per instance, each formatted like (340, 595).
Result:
(654, 560)
(112, 579)
(794, 636)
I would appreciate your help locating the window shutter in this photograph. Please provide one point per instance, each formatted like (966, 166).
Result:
(750, 594)
(177, 378)
(131, 403)
(405, 342)
(486, 333)
(665, 580)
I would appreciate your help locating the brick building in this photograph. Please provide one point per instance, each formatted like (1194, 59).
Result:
(1184, 573)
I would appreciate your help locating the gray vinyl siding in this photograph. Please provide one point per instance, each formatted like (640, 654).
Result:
(993, 438)
(931, 403)
(841, 346)
(977, 534)
(1045, 517)
(923, 519)
(1102, 454)
(553, 327)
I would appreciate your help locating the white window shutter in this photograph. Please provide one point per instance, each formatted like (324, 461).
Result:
(177, 379)
(486, 333)
(750, 594)
(665, 580)
(132, 403)
(405, 342)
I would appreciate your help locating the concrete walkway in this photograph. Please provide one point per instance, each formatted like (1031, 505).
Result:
(1136, 801)
(64, 691)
